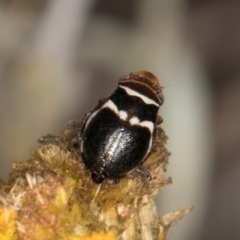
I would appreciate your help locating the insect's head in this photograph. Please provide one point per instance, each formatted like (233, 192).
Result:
(145, 83)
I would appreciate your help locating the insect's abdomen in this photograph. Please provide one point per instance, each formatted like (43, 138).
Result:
(113, 144)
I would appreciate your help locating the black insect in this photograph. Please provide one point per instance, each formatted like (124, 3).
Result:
(118, 134)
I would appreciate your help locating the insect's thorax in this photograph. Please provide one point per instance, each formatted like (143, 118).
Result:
(133, 106)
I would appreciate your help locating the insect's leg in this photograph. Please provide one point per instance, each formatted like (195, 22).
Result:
(116, 180)
(159, 120)
(78, 138)
(145, 172)
(101, 101)
(98, 176)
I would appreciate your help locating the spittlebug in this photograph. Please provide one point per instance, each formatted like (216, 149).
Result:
(118, 134)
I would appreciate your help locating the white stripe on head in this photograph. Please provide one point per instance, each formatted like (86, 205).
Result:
(136, 94)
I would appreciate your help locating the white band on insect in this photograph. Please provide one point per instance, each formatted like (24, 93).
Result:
(136, 94)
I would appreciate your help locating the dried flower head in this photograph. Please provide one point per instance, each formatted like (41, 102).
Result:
(52, 196)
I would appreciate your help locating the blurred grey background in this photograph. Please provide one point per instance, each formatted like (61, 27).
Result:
(58, 57)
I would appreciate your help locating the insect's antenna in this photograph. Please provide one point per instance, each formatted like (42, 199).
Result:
(177, 84)
(96, 193)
